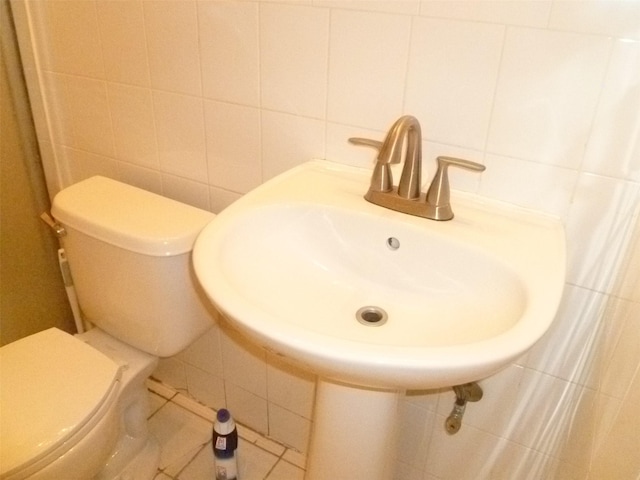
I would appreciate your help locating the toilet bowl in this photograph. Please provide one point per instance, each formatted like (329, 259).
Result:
(82, 410)
(76, 407)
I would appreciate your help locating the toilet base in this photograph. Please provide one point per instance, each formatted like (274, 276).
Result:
(143, 465)
(136, 453)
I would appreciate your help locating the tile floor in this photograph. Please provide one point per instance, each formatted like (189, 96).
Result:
(183, 429)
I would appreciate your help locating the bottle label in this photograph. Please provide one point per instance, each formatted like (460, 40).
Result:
(221, 443)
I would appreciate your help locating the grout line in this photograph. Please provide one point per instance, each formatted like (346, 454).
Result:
(273, 447)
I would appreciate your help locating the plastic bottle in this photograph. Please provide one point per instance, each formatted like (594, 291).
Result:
(225, 443)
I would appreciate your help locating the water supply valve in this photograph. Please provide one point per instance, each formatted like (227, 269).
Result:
(469, 392)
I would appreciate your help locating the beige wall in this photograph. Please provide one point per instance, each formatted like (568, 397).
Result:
(32, 295)
(203, 100)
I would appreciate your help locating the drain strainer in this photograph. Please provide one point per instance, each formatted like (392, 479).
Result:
(371, 316)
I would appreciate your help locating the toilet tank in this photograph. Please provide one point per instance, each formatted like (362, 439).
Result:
(129, 252)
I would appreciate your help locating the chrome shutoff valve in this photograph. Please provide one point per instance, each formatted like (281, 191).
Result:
(469, 392)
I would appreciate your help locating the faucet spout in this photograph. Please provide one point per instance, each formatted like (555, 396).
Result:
(405, 131)
(411, 178)
(405, 137)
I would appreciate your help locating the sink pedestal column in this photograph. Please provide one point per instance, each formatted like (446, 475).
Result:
(354, 433)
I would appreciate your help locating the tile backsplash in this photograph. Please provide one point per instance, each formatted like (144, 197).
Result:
(203, 100)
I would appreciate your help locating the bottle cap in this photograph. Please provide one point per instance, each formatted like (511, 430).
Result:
(223, 415)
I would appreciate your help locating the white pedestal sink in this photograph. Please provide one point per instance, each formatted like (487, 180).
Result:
(295, 263)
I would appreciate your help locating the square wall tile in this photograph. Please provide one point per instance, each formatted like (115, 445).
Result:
(444, 456)
(229, 51)
(453, 69)
(61, 124)
(416, 424)
(205, 352)
(290, 387)
(81, 165)
(133, 124)
(618, 456)
(233, 146)
(69, 38)
(623, 364)
(510, 461)
(247, 408)
(141, 177)
(124, 45)
(219, 199)
(172, 45)
(172, 372)
(289, 140)
(289, 428)
(367, 67)
(572, 348)
(597, 250)
(87, 107)
(293, 66)
(510, 180)
(205, 387)
(407, 7)
(619, 18)
(186, 191)
(525, 13)
(629, 282)
(244, 363)
(547, 93)
(615, 133)
(181, 134)
(543, 414)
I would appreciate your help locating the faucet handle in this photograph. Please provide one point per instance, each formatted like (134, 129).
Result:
(461, 162)
(381, 180)
(438, 195)
(367, 142)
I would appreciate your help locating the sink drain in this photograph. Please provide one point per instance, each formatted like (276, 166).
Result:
(372, 316)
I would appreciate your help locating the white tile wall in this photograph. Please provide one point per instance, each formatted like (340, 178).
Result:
(293, 68)
(233, 145)
(453, 99)
(122, 32)
(546, 95)
(171, 30)
(203, 100)
(367, 67)
(229, 50)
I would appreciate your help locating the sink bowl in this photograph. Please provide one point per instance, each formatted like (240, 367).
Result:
(360, 294)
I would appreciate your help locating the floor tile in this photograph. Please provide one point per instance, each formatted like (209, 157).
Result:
(253, 463)
(181, 435)
(286, 471)
(183, 427)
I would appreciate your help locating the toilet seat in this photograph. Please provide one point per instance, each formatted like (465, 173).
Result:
(52, 385)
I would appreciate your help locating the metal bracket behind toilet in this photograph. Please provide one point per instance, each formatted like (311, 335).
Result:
(469, 392)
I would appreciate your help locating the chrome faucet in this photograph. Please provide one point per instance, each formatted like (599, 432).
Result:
(407, 197)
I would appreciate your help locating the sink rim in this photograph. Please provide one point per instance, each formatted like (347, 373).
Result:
(395, 366)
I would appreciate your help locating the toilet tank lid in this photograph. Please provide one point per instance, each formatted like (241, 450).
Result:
(51, 385)
(129, 217)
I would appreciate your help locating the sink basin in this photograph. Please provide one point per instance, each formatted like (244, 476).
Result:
(357, 293)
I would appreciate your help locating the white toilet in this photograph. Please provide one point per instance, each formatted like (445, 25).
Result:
(75, 407)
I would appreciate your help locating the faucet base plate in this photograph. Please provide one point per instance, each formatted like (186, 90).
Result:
(416, 206)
